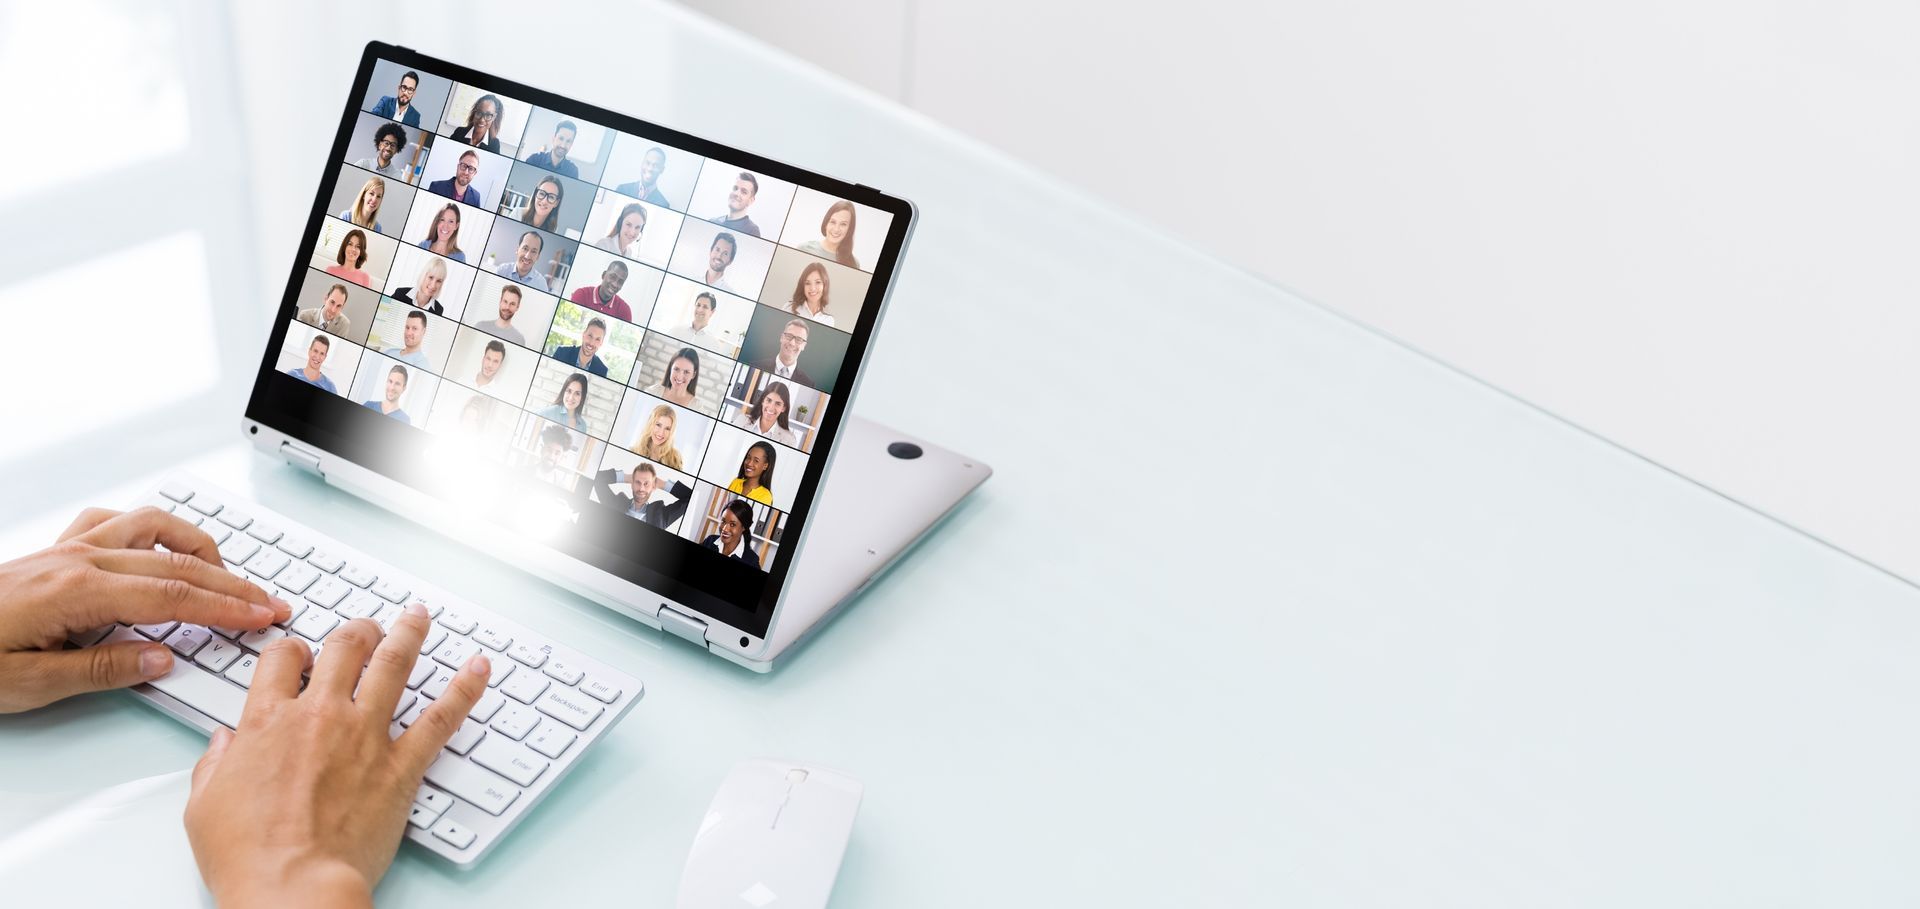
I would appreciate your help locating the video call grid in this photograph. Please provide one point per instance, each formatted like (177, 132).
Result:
(634, 398)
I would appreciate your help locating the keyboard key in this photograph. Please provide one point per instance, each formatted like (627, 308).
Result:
(479, 786)
(362, 606)
(564, 672)
(421, 669)
(176, 490)
(238, 549)
(325, 561)
(435, 635)
(237, 520)
(453, 833)
(492, 638)
(217, 531)
(241, 672)
(218, 655)
(392, 591)
(432, 607)
(406, 700)
(295, 609)
(419, 816)
(192, 517)
(296, 547)
(510, 760)
(525, 686)
(457, 621)
(358, 576)
(600, 690)
(269, 534)
(230, 633)
(267, 563)
(188, 639)
(488, 705)
(388, 615)
(527, 654)
(315, 624)
(296, 579)
(257, 641)
(411, 715)
(436, 685)
(433, 800)
(516, 721)
(160, 503)
(206, 505)
(499, 669)
(569, 707)
(467, 736)
(454, 652)
(328, 591)
(157, 630)
(551, 739)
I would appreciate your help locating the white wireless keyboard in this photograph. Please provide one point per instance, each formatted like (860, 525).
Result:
(547, 704)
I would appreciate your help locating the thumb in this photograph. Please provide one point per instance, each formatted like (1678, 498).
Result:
(57, 674)
(209, 762)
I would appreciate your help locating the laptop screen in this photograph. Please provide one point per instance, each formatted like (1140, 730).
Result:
(632, 343)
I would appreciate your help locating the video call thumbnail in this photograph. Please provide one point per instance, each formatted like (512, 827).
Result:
(646, 330)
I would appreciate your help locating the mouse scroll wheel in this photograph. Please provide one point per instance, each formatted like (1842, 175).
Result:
(796, 775)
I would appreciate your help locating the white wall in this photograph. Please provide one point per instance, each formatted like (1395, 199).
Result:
(1684, 225)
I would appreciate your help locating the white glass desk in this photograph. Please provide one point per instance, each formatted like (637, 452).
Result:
(1259, 609)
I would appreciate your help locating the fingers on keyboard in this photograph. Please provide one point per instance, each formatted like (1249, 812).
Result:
(392, 666)
(139, 600)
(438, 723)
(348, 648)
(277, 677)
(142, 528)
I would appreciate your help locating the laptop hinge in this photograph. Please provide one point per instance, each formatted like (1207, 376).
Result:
(305, 460)
(681, 625)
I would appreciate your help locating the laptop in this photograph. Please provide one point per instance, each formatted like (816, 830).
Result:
(612, 354)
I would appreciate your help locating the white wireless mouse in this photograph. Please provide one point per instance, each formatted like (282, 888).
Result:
(775, 832)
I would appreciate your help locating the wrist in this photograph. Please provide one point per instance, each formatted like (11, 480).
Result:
(296, 881)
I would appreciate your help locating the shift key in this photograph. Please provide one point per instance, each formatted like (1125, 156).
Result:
(475, 784)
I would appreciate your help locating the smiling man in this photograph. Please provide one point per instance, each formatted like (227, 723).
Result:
(490, 361)
(459, 187)
(604, 298)
(786, 363)
(390, 404)
(399, 105)
(503, 326)
(328, 315)
(739, 199)
(719, 256)
(388, 140)
(525, 254)
(316, 358)
(413, 335)
(555, 157)
(585, 355)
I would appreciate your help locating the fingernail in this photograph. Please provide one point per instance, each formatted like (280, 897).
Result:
(265, 615)
(281, 608)
(478, 665)
(155, 662)
(415, 609)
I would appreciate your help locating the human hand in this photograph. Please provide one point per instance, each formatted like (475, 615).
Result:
(105, 569)
(307, 802)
